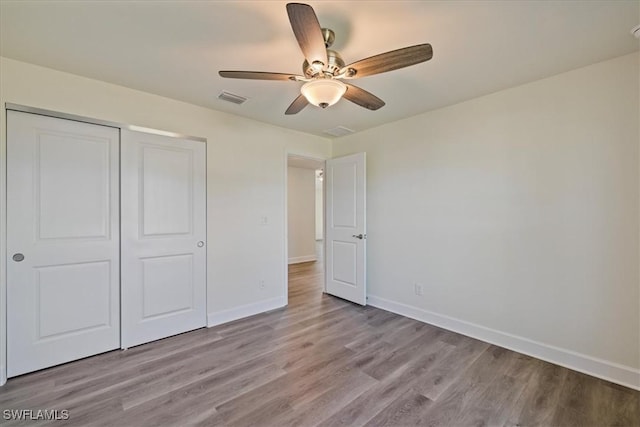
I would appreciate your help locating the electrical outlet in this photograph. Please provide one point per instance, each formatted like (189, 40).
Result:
(261, 284)
(418, 288)
(264, 220)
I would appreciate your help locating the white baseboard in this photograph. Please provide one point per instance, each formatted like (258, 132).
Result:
(613, 372)
(305, 258)
(220, 317)
(3, 376)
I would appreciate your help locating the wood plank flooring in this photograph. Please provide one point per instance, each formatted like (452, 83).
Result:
(320, 361)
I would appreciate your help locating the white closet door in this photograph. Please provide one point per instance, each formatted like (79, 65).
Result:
(163, 236)
(62, 241)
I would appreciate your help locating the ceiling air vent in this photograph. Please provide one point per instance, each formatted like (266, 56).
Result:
(236, 99)
(339, 131)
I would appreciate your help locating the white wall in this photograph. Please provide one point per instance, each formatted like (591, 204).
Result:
(301, 214)
(519, 214)
(246, 161)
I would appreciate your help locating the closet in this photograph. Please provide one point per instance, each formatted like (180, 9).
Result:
(106, 232)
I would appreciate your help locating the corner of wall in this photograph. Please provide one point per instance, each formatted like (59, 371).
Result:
(225, 316)
(604, 369)
(303, 258)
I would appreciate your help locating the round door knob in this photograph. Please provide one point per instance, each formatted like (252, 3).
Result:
(17, 257)
(200, 244)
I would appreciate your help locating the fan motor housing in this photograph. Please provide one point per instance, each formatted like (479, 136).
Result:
(335, 64)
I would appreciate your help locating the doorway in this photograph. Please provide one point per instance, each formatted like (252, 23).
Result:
(305, 229)
(338, 268)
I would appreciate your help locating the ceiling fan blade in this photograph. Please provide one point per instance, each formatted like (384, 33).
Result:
(389, 61)
(257, 75)
(297, 105)
(362, 97)
(308, 32)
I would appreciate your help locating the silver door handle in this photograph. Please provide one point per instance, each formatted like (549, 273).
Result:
(18, 257)
(200, 244)
(360, 236)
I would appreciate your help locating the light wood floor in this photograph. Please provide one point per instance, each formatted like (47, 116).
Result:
(321, 361)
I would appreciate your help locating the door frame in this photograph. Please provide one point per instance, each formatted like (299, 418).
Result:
(292, 153)
(3, 197)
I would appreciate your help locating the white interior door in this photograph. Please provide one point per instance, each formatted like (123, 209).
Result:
(163, 236)
(346, 228)
(62, 241)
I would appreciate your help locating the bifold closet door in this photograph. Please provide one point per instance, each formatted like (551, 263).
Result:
(163, 205)
(63, 300)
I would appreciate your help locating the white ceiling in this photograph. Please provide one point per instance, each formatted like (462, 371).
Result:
(176, 48)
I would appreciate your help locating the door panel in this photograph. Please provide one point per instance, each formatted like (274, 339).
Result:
(163, 235)
(63, 217)
(344, 193)
(346, 253)
(346, 222)
(69, 207)
(58, 315)
(167, 286)
(167, 191)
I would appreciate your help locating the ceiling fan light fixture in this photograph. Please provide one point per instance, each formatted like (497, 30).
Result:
(323, 92)
(322, 67)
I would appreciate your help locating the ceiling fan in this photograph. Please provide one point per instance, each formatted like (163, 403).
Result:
(324, 69)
